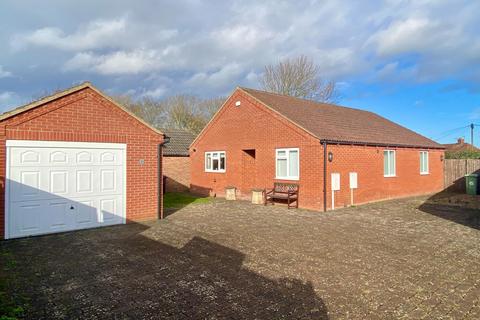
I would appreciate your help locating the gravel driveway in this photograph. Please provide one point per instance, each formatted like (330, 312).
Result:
(235, 260)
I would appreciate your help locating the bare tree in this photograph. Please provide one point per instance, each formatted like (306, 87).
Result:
(184, 113)
(209, 107)
(191, 113)
(181, 111)
(152, 111)
(299, 77)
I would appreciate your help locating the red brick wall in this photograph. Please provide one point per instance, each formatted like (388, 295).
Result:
(253, 126)
(177, 173)
(372, 185)
(86, 116)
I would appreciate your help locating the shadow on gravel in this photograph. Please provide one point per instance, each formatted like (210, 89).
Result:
(458, 214)
(120, 272)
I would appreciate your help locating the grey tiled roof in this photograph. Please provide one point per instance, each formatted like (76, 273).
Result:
(180, 140)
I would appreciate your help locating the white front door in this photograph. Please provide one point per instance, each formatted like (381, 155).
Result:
(60, 186)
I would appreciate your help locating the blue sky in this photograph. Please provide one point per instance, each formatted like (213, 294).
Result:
(414, 62)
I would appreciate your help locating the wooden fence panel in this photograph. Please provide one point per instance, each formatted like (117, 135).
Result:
(455, 171)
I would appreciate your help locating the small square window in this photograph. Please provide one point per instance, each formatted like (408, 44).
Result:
(215, 161)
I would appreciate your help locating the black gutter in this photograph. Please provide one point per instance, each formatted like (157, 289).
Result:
(160, 176)
(374, 144)
(324, 175)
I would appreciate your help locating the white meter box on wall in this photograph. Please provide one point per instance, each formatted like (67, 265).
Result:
(353, 180)
(335, 181)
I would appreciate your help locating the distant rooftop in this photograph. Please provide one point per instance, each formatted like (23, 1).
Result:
(180, 141)
(460, 146)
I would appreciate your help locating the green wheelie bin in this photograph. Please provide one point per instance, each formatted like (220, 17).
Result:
(472, 183)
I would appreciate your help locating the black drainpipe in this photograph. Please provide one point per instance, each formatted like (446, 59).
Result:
(160, 175)
(324, 175)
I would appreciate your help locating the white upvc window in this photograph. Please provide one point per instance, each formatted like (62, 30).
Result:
(215, 161)
(389, 163)
(287, 164)
(424, 162)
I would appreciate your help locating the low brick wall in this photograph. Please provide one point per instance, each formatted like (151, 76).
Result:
(176, 170)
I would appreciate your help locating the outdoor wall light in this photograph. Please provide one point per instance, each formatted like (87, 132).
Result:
(330, 156)
(441, 157)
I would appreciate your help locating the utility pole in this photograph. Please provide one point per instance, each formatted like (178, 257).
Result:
(471, 133)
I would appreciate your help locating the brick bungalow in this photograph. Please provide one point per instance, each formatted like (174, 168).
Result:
(258, 138)
(176, 160)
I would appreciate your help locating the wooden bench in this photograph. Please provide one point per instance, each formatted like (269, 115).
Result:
(283, 191)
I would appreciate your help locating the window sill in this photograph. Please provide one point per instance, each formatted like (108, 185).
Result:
(424, 173)
(394, 176)
(211, 171)
(285, 178)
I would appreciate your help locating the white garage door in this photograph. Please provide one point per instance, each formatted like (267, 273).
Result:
(61, 186)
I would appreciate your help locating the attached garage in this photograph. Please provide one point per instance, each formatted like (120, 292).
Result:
(77, 160)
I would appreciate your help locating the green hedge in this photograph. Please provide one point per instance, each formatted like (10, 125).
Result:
(470, 154)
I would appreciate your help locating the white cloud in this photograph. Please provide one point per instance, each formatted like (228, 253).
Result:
(241, 37)
(4, 73)
(155, 93)
(99, 33)
(438, 40)
(119, 62)
(413, 34)
(221, 78)
(209, 46)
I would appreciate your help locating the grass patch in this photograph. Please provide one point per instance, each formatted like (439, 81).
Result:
(180, 200)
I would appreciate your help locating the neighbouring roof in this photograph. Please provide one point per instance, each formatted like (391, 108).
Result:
(60, 94)
(341, 124)
(460, 146)
(180, 141)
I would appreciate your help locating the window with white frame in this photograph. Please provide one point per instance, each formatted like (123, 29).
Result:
(287, 163)
(389, 163)
(423, 162)
(215, 161)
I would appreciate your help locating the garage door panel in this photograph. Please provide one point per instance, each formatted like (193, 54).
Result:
(109, 209)
(52, 189)
(28, 157)
(85, 213)
(58, 182)
(58, 158)
(27, 220)
(60, 217)
(29, 184)
(67, 156)
(84, 157)
(84, 181)
(111, 181)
